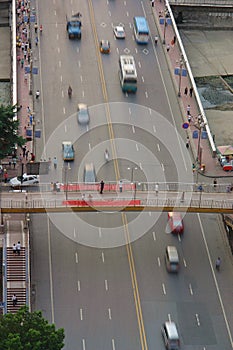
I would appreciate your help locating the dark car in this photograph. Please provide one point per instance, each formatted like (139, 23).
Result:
(105, 46)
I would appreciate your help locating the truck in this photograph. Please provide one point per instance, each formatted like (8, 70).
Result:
(73, 27)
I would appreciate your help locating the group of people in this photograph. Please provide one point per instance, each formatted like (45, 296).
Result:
(16, 248)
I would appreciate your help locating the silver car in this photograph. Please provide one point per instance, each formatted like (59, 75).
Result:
(119, 32)
(25, 180)
(83, 114)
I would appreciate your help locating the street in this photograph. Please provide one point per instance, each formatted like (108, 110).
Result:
(102, 276)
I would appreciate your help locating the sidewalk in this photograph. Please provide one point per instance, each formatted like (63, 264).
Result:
(173, 56)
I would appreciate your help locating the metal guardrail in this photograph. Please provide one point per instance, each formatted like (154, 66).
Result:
(217, 3)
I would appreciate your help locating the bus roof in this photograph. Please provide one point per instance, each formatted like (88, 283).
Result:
(141, 24)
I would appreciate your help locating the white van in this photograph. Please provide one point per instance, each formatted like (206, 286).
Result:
(172, 259)
(170, 335)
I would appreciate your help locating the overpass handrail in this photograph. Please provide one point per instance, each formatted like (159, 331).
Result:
(202, 2)
(186, 62)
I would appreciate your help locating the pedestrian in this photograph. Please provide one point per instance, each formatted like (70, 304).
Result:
(58, 187)
(174, 40)
(18, 247)
(152, 3)
(26, 154)
(156, 189)
(14, 248)
(156, 39)
(14, 162)
(194, 167)
(25, 77)
(25, 54)
(28, 110)
(215, 183)
(168, 47)
(101, 186)
(83, 197)
(55, 162)
(14, 300)
(36, 27)
(5, 176)
(32, 157)
(218, 263)
(120, 186)
(41, 29)
(22, 62)
(186, 91)
(36, 40)
(187, 142)
(37, 94)
(191, 91)
(188, 110)
(18, 58)
(189, 118)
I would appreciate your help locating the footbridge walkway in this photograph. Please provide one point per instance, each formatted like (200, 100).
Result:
(216, 198)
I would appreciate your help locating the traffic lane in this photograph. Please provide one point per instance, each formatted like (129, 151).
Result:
(40, 265)
(189, 296)
(104, 299)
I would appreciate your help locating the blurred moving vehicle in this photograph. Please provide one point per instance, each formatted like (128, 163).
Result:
(25, 180)
(68, 151)
(83, 114)
(119, 31)
(175, 222)
(105, 46)
(89, 175)
(172, 259)
(73, 27)
(170, 335)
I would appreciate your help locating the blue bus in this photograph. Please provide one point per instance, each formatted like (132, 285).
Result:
(141, 30)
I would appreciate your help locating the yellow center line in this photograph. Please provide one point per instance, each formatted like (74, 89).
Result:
(117, 173)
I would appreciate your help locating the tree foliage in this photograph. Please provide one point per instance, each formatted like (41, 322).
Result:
(29, 331)
(9, 131)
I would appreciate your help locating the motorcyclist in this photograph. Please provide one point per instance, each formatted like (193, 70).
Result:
(218, 263)
(69, 91)
(156, 39)
(106, 155)
(41, 29)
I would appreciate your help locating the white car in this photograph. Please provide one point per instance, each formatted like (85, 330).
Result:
(83, 114)
(27, 180)
(119, 32)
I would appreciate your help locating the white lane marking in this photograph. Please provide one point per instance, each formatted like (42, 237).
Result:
(77, 50)
(197, 318)
(130, 25)
(127, 14)
(84, 344)
(158, 147)
(136, 50)
(139, 64)
(58, 49)
(162, 166)
(150, 111)
(57, 36)
(65, 128)
(113, 344)
(83, 93)
(79, 286)
(100, 232)
(190, 289)
(79, 64)
(117, 50)
(106, 284)
(143, 79)
(74, 232)
(109, 313)
(184, 261)
(61, 78)
(179, 237)
(146, 94)
(164, 289)
(125, 3)
(64, 110)
(154, 237)
(133, 129)
(81, 78)
(102, 254)
(136, 146)
(89, 145)
(55, 12)
(154, 128)
(59, 63)
(159, 262)
(76, 258)
(169, 317)
(130, 111)
(81, 314)
(140, 165)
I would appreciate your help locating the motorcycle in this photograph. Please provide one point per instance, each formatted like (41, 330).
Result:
(106, 156)
(70, 92)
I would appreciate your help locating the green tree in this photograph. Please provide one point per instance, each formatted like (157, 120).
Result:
(26, 330)
(9, 131)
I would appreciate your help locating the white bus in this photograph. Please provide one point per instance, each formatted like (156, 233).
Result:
(141, 30)
(127, 73)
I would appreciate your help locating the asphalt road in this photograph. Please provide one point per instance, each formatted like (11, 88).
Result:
(108, 294)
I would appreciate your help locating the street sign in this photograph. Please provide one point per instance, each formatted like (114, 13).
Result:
(35, 70)
(183, 71)
(185, 125)
(38, 133)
